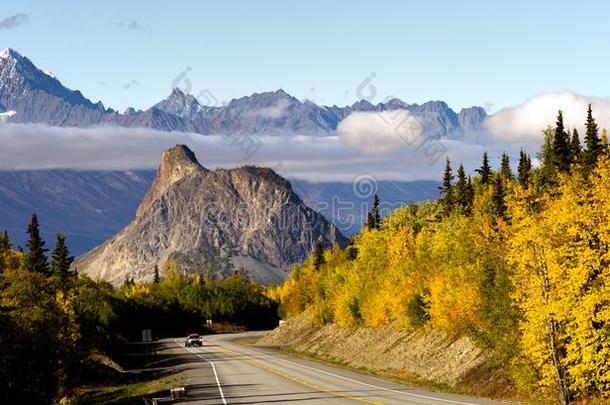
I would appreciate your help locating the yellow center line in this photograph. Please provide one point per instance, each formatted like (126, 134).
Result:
(294, 379)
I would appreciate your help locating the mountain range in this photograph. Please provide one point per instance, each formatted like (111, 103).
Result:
(89, 206)
(38, 97)
(215, 222)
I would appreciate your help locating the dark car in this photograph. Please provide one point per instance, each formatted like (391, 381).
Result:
(193, 340)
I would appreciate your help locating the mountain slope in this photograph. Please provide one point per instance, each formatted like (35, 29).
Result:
(86, 206)
(247, 219)
(40, 98)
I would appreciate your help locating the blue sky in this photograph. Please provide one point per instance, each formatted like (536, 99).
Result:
(128, 53)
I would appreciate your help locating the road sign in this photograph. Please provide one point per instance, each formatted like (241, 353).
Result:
(146, 335)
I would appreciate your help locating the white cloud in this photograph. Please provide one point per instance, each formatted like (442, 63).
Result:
(525, 122)
(313, 158)
(276, 111)
(379, 132)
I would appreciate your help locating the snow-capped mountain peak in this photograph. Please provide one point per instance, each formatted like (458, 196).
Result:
(7, 53)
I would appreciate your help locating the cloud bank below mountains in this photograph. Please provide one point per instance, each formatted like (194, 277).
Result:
(387, 146)
(525, 122)
(379, 132)
(314, 158)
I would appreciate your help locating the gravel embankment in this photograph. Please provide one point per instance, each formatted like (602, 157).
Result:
(430, 356)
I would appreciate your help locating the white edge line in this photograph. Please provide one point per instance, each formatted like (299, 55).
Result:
(356, 381)
(222, 395)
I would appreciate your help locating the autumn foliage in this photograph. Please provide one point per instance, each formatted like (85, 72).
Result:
(522, 265)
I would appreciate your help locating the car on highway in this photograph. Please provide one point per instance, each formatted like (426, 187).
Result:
(193, 340)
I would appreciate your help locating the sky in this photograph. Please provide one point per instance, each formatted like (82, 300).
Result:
(492, 54)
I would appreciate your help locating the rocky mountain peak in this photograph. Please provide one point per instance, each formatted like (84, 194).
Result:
(177, 163)
(472, 119)
(38, 96)
(7, 53)
(179, 159)
(180, 104)
(247, 219)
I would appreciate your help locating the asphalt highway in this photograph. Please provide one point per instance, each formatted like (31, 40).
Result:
(226, 372)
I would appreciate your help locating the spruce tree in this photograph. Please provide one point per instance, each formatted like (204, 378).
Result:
(374, 217)
(470, 194)
(375, 213)
(370, 221)
(592, 142)
(462, 191)
(485, 170)
(60, 263)
(446, 189)
(318, 254)
(497, 198)
(505, 170)
(561, 145)
(36, 260)
(5, 247)
(604, 148)
(5, 243)
(575, 148)
(525, 166)
(157, 278)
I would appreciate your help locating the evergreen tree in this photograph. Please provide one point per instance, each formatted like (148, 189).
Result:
(376, 214)
(318, 254)
(505, 169)
(603, 147)
(575, 148)
(525, 166)
(5, 242)
(561, 145)
(370, 221)
(485, 170)
(129, 282)
(157, 278)
(36, 260)
(461, 191)
(497, 198)
(5, 247)
(60, 263)
(470, 190)
(592, 142)
(446, 189)
(374, 217)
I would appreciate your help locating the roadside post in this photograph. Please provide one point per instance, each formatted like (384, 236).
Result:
(147, 340)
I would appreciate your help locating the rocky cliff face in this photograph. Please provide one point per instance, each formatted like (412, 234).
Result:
(215, 222)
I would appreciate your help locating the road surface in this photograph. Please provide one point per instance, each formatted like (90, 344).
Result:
(225, 372)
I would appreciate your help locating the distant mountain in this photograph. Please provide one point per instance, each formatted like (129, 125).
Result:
(347, 208)
(40, 98)
(212, 221)
(87, 206)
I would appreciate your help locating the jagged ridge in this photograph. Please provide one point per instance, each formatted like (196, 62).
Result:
(40, 98)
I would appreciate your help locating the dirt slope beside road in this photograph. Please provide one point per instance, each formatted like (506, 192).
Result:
(431, 356)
